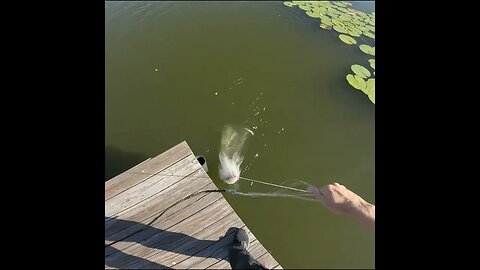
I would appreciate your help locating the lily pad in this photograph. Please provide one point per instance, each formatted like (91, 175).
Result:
(369, 27)
(334, 11)
(324, 17)
(327, 22)
(305, 7)
(325, 26)
(340, 29)
(344, 18)
(370, 86)
(349, 10)
(331, 14)
(372, 63)
(313, 14)
(361, 71)
(368, 34)
(324, 4)
(340, 4)
(289, 4)
(335, 21)
(360, 25)
(320, 9)
(347, 39)
(362, 28)
(362, 14)
(367, 49)
(354, 33)
(349, 24)
(371, 96)
(357, 82)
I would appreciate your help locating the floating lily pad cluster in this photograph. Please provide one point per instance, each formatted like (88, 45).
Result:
(350, 24)
(361, 80)
(339, 16)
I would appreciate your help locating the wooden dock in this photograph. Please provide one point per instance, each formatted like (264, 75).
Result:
(195, 233)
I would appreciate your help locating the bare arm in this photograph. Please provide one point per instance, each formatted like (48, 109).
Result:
(341, 200)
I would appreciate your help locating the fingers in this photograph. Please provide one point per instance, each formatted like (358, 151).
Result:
(338, 185)
(327, 189)
(328, 194)
(324, 189)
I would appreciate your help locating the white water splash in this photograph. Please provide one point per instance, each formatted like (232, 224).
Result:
(231, 155)
(305, 197)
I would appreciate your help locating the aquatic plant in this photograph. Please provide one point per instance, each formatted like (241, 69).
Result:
(370, 86)
(313, 14)
(357, 82)
(367, 49)
(325, 26)
(372, 63)
(340, 29)
(347, 39)
(349, 23)
(368, 34)
(361, 71)
(371, 96)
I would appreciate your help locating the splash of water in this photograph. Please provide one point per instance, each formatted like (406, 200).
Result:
(305, 197)
(284, 192)
(231, 152)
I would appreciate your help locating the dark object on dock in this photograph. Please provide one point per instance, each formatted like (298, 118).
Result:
(203, 161)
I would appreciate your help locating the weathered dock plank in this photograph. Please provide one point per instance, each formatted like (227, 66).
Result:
(195, 233)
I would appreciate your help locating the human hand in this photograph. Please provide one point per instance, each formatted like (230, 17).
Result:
(340, 200)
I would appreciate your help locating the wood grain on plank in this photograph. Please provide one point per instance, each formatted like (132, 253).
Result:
(125, 181)
(155, 184)
(171, 240)
(206, 237)
(159, 202)
(142, 232)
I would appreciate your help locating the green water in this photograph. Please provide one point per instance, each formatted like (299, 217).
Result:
(164, 62)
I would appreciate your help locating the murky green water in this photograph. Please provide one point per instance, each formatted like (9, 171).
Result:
(166, 60)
